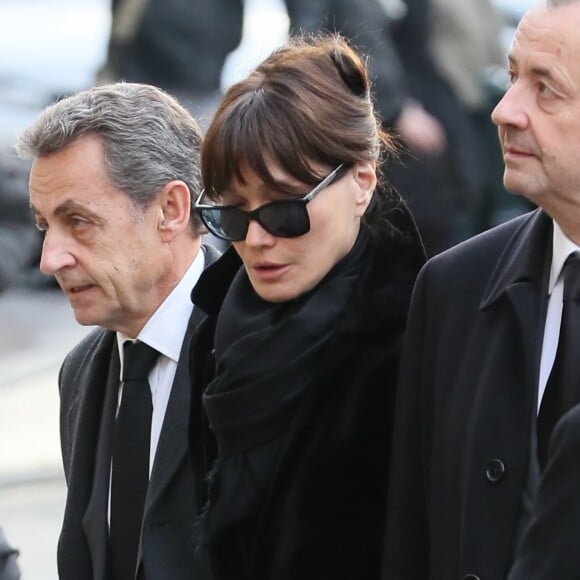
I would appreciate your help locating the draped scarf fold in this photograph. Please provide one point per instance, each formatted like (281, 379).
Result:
(266, 353)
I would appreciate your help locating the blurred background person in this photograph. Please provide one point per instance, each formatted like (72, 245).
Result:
(467, 48)
(9, 569)
(19, 241)
(438, 185)
(177, 45)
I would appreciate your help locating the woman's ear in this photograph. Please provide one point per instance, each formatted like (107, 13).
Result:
(365, 177)
(175, 208)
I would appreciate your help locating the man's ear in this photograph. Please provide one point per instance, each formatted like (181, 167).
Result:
(365, 177)
(175, 208)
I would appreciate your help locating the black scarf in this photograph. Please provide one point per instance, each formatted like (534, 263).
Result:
(266, 354)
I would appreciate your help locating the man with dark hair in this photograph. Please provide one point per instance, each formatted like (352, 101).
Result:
(485, 373)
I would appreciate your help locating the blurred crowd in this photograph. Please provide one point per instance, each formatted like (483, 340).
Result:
(434, 64)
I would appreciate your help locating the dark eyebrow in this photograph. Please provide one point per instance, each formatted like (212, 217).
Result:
(544, 72)
(541, 71)
(70, 206)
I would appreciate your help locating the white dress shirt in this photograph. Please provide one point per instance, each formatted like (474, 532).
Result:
(562, 247)
(164, 332)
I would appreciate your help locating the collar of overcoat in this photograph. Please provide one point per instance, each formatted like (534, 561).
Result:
(525, 259)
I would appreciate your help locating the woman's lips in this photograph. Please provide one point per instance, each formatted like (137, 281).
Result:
(269, 271)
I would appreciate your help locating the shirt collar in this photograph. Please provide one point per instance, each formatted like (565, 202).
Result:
(562, 247)
(165, 330)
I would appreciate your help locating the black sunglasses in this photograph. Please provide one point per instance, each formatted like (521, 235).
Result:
(286, 218)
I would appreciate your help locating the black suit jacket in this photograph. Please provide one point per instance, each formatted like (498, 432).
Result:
(466, 406)
(88, 382)
(550, 547)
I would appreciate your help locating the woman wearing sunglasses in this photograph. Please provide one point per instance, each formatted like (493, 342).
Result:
(291, 414)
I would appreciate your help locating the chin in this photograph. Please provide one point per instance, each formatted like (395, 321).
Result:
(283, 290)
(521, 186)
(275, 293)
(85, 318)
(84, 321)
(275, 296)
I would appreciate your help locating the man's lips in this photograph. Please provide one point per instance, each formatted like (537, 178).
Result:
(517, 152)
(75, 289)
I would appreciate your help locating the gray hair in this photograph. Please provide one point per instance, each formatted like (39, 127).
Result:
(148, 138)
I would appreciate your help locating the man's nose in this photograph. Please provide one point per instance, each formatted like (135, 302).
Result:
(56, 253)
(511, 109)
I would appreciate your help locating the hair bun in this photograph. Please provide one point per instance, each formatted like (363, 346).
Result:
(351, 70)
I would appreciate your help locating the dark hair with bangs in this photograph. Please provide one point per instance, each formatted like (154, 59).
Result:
(308, 103)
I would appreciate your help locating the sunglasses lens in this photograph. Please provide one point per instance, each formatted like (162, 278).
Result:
(287, 219)
(228, 224)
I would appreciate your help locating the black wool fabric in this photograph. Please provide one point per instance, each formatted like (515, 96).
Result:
(310, 502)
(266, 354)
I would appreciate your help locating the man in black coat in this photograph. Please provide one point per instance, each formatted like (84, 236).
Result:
(550, 546)
(483, 332)
(113, 175)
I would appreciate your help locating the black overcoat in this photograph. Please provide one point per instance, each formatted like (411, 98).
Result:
(549, 550)
(466, 406)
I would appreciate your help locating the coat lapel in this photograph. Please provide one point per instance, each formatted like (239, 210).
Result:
(172, 448)
(95, 521)
(522, 277)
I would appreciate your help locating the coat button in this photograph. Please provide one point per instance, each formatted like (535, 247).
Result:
(495, 471)
(471, 577)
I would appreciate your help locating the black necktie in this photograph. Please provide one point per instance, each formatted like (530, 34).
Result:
(563, 387)
(130, 468)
